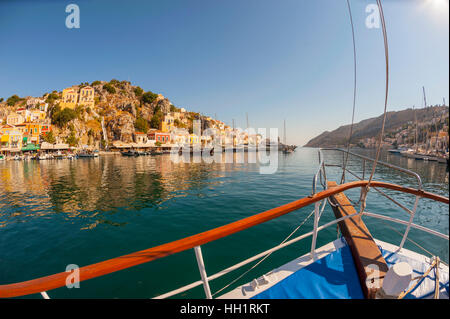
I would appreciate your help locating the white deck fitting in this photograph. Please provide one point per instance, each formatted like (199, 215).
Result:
(427, 284)
(248, 290)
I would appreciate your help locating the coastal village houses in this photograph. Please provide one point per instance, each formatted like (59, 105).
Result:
(25, 127)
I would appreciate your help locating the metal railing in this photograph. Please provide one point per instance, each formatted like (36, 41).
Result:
(365, 159)
(322, 177)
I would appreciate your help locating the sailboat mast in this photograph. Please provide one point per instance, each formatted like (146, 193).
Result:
(284, 140)
(416, 137)
(424, 96)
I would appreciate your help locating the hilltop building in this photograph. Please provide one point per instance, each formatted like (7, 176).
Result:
(71, 97)
(86, 97)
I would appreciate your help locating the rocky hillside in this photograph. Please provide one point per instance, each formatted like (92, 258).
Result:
(124, 108)
(369, 128)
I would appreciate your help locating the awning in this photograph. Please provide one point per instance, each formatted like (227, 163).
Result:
(5, 138)
(30, 147)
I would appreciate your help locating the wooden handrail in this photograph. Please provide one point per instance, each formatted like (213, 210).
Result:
(119, 263)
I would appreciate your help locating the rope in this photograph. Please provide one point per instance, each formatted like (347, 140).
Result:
(412, 241)
(386, 53)
(434, 264)
(266, 256)
(354, 91)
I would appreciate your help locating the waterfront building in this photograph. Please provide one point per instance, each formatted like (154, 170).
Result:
(140, 138)
(86, 97)
(12, 141)
(180, 136)
(193, 139)
(159, 136)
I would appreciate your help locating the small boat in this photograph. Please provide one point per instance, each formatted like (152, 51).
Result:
(130, 153)
(17, 158)
(88, 154)
(2, 157)
(42, 157)
(397, 150)
(287, 150)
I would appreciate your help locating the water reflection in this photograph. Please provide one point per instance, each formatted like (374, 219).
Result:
(95, 189)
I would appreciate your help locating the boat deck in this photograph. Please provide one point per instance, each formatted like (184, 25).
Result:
(341, 268)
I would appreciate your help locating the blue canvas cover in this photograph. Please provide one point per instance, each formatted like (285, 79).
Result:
(331, 277)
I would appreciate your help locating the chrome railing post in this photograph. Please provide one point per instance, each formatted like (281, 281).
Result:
(45, 295)
(316, 224)
(201, 267)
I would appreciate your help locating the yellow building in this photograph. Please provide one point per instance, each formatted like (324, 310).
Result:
(168, 124)
(11, 139)
(193, 139)
(69, 98)
(37, 116)
(86, 97)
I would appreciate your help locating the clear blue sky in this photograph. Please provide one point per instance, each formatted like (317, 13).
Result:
(275, 59)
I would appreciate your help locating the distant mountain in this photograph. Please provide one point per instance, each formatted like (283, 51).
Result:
(369, 128)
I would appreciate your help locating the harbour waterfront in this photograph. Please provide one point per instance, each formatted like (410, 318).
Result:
(59, 212)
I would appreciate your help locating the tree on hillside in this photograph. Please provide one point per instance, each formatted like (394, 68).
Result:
(49, 138)
(141, 125)
(71, 139)
(156, 119)
(12, 100)
(62, 117)
(149, 97)
(138, 91)
(109, 88)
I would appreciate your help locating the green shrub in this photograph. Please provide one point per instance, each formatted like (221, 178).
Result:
(72, 140)
(12, 100)
(109, 88)
(96, 83)
(138, 91)
(61, 117)
(141, 125)
(156, 119)
(149, 97)
(49, 138)
(51, 98)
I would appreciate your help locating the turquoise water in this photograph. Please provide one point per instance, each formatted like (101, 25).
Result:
(60, 212)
